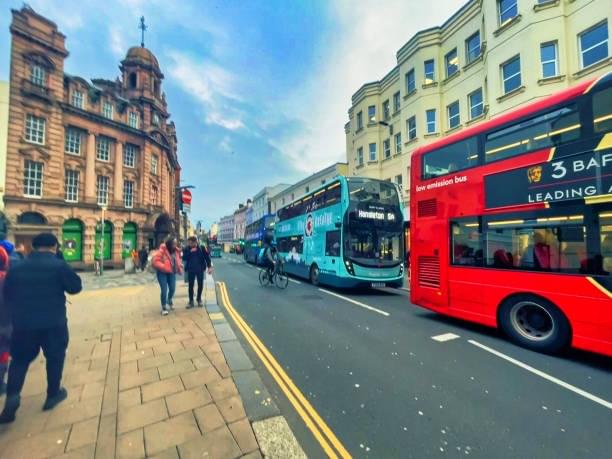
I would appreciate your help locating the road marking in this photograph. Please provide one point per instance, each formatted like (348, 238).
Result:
(546, 376)
(445, 337)
(294, 281)
(311, 418)
(363, 305)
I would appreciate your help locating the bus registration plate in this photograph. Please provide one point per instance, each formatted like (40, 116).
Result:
(378, 284)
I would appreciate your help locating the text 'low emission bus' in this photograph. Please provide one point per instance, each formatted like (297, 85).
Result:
(348, 233)
(511, 222)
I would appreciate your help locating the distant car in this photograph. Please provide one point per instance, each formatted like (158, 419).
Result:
(215, 251)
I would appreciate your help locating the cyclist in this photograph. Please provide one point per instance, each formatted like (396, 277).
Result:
(269, 258)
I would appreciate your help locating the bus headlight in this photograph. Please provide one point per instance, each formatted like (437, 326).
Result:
(349, 267)
(401, 269)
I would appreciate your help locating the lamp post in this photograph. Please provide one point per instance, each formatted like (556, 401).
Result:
(102, 241)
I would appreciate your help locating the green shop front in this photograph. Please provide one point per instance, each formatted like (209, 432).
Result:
(72, 240)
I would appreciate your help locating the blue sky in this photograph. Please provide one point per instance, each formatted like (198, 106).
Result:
(259, 89)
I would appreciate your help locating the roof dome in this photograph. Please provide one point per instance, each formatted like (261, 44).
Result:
(142, 55)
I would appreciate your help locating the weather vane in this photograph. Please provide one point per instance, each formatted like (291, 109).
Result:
(142, 27)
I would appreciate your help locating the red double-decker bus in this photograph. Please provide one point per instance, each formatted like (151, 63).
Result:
(511, 222)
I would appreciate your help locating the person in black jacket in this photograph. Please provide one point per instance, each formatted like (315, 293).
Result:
(34, 291)
(196, 260)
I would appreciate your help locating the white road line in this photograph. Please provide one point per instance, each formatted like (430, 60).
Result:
(445, 337)
(294, 281)
(546, 376)
(365, 306)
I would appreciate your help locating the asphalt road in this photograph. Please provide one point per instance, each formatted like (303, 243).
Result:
(386, 388)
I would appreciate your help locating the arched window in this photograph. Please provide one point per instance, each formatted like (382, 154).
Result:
(154, 195)
(156, 87)
(132, 80)
(31, 218)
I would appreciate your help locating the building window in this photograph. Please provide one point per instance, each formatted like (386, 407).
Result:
(360, 156)
(154, 195)
(132, 80)
(508, 9)
(128, 194)
(452, 63)
(133, 120)
(107, 110)
(72, 185)
(155, 119)
(37, 75)
(430, 115)
(454, 119)
(371, 113)
(77, 99)
(548, 57)
(410, 82)
(396, 102)
(103, 149)
(154, 163)
(594, 44)
(430, 71)
(398, 143)
(35, 129)
(511, 74)
(307, 189)
(476, 103)
(411, 127)
(372, 156)
(129, 155)
(102, 190)
(72, 143)
(399, 180)
(472, 47)
(387, 148)
(359, 120)
(386, 110)
(32, 179)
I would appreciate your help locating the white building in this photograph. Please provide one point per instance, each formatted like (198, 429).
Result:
(226, 229)
(261, 201)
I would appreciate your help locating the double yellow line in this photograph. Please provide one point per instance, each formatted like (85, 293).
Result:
(326, 438)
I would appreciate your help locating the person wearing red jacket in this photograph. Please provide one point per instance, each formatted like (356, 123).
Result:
(167, 263)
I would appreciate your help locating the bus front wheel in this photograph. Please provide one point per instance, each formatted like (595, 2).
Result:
(535, 323)
(314, 275)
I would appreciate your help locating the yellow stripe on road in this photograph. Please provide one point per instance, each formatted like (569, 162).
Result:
(321, 431)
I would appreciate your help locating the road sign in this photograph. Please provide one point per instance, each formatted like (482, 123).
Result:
(186, 199)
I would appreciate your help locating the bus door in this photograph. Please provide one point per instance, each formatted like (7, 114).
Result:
(332, 260)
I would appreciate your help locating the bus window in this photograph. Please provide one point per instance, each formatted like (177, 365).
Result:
(543, 244)
(332, 194)
(543, 131)
(602, 110)
(605, 233)
(332, 243)
(466, 244)
(452, 158)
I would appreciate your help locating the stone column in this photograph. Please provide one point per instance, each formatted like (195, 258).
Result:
(90, 169)
(118, 181)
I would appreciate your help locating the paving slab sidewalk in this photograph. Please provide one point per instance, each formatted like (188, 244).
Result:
(142, 385)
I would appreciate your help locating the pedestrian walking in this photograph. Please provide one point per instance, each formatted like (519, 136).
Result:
(143, 256)
(5, 323)
(35, 293)
(196, 261)
(167, 263)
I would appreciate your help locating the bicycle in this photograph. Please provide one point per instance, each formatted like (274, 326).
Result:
(277, 277)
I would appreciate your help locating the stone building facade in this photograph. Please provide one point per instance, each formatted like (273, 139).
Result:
(489, 57)
(79, 148)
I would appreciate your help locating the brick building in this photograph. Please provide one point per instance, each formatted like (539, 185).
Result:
(77, 146)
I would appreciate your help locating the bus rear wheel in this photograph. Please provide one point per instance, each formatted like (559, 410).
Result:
(535, 323)
(314, 275)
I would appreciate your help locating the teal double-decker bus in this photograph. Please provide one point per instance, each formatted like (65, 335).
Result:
(348, 233)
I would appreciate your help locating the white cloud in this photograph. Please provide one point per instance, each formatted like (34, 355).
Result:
(225, 145)
(117, 42)
(363, 49)
(231, 124)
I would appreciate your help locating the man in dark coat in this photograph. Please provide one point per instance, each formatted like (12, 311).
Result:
(34, 291)
(143, 256)
(196, 260)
